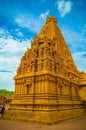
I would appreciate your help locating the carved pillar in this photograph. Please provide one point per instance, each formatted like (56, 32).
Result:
(58, 88)
(21, 88)
(42, 86)
(60, 85)
(40, 90)
(73, 90)
(44, 89)
(37, 86)
(25, 85)
(55, 87)
(76, 90)
(46, 84)
(18, 88)
(33, 90)
(52, 86)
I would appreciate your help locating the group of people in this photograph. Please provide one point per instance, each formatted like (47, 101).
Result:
(2, 109)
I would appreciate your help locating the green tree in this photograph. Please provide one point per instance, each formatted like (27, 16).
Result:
(4, 91)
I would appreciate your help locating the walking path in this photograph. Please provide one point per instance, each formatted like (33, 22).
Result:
(78, 123)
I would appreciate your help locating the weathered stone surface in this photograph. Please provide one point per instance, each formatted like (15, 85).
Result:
(47, 80)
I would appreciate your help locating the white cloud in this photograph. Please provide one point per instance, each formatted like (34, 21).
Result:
(44, 15)
(11, 51)
(32, 23)
(76, 42)
(84, 29)
(4, 33)
(1, 31)
(74, 39)
(6, 81)
(64, 7)
(85, 25)
(80, 60)
(12, 46)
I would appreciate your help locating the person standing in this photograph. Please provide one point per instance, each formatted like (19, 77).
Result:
(2, 109)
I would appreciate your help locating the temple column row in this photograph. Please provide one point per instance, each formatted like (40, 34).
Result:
(20, 89)
(42, 86)
(39, 86)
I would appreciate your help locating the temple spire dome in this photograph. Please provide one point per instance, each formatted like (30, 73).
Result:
(50, 29)
(51, 19)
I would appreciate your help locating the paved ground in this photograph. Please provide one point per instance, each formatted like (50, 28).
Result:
(72, 124)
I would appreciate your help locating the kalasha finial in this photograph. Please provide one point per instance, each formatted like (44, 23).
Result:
(51, 18)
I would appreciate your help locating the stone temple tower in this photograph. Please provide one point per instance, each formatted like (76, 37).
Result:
(47, 80)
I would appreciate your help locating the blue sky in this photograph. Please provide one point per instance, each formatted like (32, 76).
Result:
(20, 20)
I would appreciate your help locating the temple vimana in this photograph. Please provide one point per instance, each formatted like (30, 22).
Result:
(47, 82)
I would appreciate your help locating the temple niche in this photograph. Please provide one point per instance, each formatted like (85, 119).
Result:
(47, 79)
